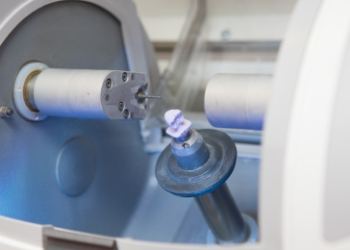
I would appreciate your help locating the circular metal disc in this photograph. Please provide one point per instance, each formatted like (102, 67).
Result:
(205, 178)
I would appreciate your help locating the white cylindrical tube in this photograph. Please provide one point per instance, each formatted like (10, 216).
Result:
(233, 101)
(69, 93)
(41, 92)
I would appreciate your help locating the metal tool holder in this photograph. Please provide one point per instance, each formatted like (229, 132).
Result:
(197, 164)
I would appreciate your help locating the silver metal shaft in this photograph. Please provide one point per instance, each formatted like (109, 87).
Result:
(223, 216)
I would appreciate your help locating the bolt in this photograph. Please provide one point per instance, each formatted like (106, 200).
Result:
(5, 112)
(178, 125)
(121, 106)
(108, 83)
(124, 76)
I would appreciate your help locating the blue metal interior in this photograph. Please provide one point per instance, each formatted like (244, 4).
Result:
(70, 173)
(88, 175)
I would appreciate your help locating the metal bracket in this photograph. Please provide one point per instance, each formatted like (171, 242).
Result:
(123, 100)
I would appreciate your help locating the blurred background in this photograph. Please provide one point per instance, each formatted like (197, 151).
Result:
(236, 36)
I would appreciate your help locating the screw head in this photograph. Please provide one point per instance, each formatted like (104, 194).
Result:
(5, 112)
(121, 106)
(124, 76)
(108, 83)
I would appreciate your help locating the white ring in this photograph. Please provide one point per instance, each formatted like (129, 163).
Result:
(21, 79)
